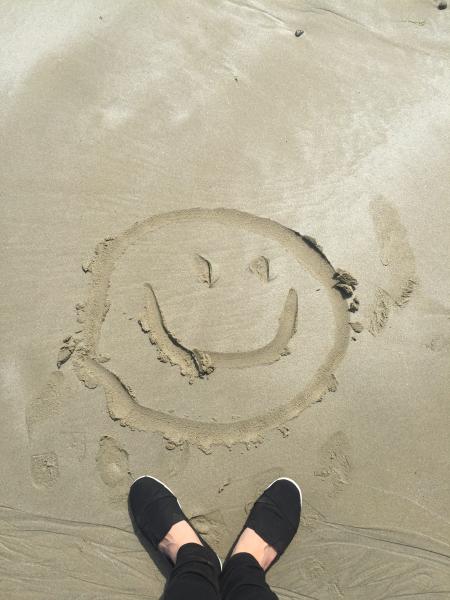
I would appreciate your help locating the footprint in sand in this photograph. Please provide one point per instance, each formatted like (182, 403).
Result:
(44, 469)
(397, 258)
(40, 412)
(335, 464)
(211, 526)
(112, 466)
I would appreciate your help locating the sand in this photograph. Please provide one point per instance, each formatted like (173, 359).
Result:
(225, 259)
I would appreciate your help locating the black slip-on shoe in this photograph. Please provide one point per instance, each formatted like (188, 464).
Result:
(275, 516)
(155, 509)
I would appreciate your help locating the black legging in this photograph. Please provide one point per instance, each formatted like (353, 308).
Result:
(194, 577)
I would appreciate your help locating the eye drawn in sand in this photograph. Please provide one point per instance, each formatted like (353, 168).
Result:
(260, 267)
(205, 270)
(398, 259)
(196, 363)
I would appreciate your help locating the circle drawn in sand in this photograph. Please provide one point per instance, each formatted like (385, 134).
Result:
(121, 402)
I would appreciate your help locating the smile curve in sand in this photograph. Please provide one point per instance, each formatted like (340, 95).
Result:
(124, 406)
(199, 363)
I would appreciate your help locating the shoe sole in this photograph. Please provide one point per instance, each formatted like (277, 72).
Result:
(178, 502)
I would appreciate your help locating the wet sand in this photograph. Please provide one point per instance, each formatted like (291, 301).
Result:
(225, 259)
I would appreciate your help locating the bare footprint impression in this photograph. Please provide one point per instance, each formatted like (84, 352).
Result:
(49, 432)
(397, 258)
(40, 415)
(335, 463)
(113, 469)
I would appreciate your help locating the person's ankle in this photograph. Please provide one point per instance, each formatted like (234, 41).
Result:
(251, 543)
(179, 534)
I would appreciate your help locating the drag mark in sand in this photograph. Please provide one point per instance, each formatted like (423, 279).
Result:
(397, 257)
(122, 404)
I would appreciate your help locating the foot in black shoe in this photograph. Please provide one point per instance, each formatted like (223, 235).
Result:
(272, 522)
(179, 534)
(159, 517)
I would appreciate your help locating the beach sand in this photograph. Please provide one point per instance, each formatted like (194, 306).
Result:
(225, 260)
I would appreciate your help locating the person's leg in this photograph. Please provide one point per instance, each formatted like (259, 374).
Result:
(270, 528)
(157, 515)
(194, 576)
(243, 578)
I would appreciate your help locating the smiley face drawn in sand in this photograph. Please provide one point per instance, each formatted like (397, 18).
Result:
(125, 406)
(195, 363)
